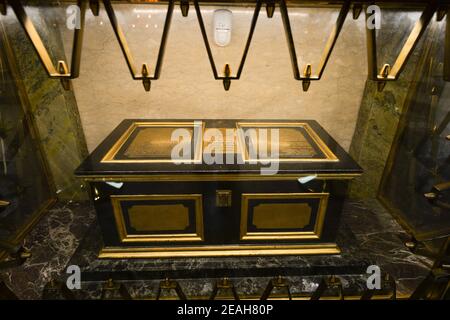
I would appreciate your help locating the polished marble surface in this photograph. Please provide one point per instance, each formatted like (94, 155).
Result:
(52, 242)
(379, 112)
(53, 109)
(246, 288)
(368, 235)
(351, 261)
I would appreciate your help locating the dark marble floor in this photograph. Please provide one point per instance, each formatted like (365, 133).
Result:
(68, 235)
(52, 243)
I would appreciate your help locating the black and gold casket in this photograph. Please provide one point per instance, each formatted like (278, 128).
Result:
(178, 188)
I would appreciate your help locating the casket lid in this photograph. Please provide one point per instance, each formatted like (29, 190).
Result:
(183, 147)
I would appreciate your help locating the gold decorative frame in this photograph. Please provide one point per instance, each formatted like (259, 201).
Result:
(216, 177)
(218, 251)
(173, 237)
(198, 145)
(11, 60)
(329, 155)
(275, 235)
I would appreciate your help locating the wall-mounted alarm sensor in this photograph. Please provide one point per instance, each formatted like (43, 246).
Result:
(222, 20)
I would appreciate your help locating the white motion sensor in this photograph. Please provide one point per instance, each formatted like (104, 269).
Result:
(222, 27)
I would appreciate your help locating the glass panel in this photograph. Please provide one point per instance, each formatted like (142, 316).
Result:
(143, 27)
(55, 23)
(417, 180)
(396, 25)
(311, 28)
(24, 187)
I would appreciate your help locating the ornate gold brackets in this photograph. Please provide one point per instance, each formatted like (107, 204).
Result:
(388, 72)
(144, 74)
(307, 76)
(227, 77)
(61, 71)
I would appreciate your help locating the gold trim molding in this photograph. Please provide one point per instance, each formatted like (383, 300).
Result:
(216, 177)
(218, 251)
(280, 235)
(198, 145)
(329, 155)
(172, 237)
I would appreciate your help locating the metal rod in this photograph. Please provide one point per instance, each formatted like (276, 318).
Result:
(411, 42)
(249, 39)
(372, 63)
(120, 38)
(162, 47)
(290, 39)
(78, 42)
(332, 39)
(39, 46)
(126, 49)
(205, 39)
(387, 73)
(208, 47)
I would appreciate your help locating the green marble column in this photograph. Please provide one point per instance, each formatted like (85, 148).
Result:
(54, 109)
(380, 112)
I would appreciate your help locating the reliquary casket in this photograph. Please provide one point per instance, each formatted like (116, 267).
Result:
(178, 188)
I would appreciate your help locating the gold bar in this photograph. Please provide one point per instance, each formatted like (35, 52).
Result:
(218, 251)
(216, 177)
(411, 42)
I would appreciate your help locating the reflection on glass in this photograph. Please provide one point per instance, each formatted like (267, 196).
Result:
(396, 25)
(416, 186)
(24, 186)
(54, 24)
(307, 24)
(143, 27)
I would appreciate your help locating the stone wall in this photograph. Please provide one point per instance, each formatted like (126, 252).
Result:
(53, 108)
(187, 88)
